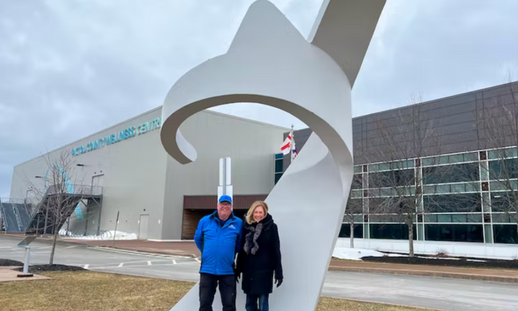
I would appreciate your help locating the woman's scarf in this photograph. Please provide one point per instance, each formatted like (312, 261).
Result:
(254, 233)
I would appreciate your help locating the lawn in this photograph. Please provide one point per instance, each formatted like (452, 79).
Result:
(85, 290)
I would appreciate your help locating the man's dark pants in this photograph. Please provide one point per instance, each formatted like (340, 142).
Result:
(227, 289)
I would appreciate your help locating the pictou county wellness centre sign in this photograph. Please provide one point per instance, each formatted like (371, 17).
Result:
(119, 136)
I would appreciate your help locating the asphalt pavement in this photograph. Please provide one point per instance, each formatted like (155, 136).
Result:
(437, 293)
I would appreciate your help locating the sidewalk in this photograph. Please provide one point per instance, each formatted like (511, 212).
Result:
(495, 275)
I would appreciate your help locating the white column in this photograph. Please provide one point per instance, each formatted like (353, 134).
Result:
(225, 181)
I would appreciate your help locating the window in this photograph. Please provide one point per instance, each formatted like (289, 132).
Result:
(501, 218)
(357, 181)
(385, 218)
(345, 231)
(390, 231)
(464, 218)
(451, 173)
(507, 234)
(503, 201)
(450, 203)
(503, 169)
(279, 166)
(454, 233)
(391, 178)
(355, 206)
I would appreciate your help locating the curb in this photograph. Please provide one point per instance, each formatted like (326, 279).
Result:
(490, 278)
(44, 240)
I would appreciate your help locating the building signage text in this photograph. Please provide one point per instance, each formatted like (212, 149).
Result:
(119, 136)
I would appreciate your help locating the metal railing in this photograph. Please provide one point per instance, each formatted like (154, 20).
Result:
(84, 190)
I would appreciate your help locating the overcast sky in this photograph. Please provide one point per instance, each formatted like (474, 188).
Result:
(69, 68)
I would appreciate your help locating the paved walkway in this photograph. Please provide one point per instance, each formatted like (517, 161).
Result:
(188, 248)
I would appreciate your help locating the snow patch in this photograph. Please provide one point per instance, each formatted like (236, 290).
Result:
(355, 253)
(105, 235)
(359, 253)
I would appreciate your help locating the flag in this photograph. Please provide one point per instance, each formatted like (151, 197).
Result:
(286, 145)
(294, 149)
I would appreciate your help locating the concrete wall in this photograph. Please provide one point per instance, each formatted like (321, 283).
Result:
(251, 145)
(134, 176)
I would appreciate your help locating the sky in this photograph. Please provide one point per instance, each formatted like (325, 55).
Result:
(70, 68)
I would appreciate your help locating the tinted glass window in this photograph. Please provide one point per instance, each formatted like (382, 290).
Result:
(391, 178)
(390, 231)
(503, 201)
(345, 231)
(357, 181)
(503, 169)
(278, 166)
(451, 173)
(505, 234)
(448, 203)
(456, 233)
(354, 206)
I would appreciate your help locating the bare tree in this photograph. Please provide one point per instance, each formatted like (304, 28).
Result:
(499, 128)
(354, 209)
(395, 189)
(58, 197)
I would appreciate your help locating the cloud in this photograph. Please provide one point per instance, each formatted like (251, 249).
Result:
(71, 68)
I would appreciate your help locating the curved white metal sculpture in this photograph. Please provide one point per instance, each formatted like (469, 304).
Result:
(269, 62)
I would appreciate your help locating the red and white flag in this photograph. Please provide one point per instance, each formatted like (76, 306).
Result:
(286, 145)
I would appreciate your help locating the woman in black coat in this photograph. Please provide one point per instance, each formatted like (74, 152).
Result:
(260, 257)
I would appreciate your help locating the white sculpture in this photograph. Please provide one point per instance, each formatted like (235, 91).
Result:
(269, 62)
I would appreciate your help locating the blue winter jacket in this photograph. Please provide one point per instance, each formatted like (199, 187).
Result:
(218, 244)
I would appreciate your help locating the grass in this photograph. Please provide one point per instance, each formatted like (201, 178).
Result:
(102, 291)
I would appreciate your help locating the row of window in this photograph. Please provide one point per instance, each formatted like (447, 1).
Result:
(507, 234)
(497, 218)
(457, 173)
(446, 203)
(444, 160)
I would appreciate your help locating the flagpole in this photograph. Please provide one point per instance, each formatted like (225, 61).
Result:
(291, 144)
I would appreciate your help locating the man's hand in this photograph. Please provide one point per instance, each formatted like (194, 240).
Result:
(278, 282)
(237, 274)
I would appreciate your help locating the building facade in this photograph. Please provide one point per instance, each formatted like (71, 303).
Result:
(143, 189)
(456, 157)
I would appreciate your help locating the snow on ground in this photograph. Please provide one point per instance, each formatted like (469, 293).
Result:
(355, 253)
(359, 253)
(106, 235)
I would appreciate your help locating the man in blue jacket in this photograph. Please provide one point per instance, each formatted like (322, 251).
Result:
(218, 237)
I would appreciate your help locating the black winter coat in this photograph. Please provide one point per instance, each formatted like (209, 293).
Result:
(258, 270)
